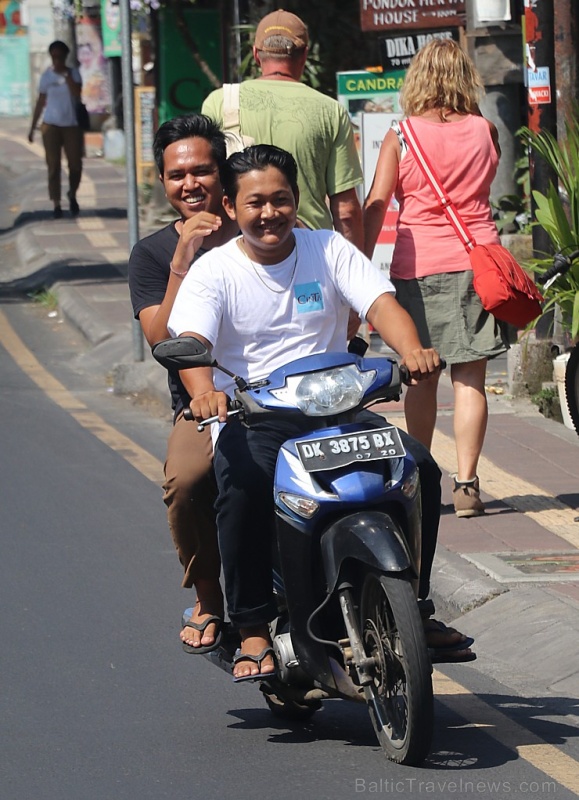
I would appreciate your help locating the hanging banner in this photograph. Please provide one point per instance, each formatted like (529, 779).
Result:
(397, 15)
(96, 93)
(111, 28)
(10, 19)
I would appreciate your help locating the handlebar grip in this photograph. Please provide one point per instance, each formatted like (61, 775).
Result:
(188, 414)
(561, 264)
(405, 374)
(210, 420)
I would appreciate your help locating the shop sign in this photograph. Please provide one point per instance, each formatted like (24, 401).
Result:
(539, 86)
(396, 15)
(144, 132)
(367, 91)
(396, 52)
(373, 102)
(373, 129)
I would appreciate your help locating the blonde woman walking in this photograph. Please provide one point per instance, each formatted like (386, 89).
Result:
(430, 267)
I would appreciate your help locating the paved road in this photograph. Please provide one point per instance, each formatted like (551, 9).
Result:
(100, 702)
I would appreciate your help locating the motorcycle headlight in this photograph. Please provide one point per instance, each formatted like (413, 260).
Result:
(331, 391)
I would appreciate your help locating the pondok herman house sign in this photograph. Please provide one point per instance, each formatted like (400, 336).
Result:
(379, 15)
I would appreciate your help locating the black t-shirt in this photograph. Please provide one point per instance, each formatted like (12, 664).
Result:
(148, 278)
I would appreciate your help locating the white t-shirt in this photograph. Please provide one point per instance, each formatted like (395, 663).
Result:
(60, 105)
(259, 318)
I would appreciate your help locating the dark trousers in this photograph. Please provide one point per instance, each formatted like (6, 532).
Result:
(55, 140)
(244, 464)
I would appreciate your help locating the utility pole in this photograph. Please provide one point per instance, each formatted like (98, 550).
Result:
(540, 80)
(495, 48)
(541, 98)
(566, 61)
(131, 162)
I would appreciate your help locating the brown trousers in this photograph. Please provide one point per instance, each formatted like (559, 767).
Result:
(55, 139)
(190, 493)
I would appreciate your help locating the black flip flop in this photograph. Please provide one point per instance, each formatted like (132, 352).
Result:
(450, 653)
(448, 656)
(239, 656)
(200, 626)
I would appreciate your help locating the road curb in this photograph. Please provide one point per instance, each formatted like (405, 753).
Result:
(457, 586)
(81, 314)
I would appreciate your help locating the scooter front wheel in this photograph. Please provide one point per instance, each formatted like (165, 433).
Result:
(400, 697)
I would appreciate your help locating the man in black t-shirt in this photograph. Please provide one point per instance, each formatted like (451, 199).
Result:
(188, 151)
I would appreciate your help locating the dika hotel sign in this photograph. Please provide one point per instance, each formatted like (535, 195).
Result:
(380, 15)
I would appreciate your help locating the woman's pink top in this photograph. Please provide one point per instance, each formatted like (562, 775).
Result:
(465, 160)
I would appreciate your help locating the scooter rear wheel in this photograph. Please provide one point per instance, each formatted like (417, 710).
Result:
(400, 697)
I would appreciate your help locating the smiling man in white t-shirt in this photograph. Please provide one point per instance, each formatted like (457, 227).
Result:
(268, 297)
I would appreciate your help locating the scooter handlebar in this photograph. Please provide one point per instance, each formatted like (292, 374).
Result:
(188, 414)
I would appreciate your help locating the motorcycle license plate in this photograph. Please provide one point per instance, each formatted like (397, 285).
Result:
(331, 452)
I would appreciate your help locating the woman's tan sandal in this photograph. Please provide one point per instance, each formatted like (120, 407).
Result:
(466, 496)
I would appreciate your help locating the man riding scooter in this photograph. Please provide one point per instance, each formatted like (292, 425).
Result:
(268, 297)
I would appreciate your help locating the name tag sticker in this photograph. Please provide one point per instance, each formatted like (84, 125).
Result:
(308, 297)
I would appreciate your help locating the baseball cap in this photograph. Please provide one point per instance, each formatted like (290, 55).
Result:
(281, 23)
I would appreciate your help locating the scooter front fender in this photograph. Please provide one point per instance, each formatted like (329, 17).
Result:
(370, 537)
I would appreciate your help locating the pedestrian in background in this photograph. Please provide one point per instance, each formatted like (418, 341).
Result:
(58, 96)
(278, 109)
(430, 266)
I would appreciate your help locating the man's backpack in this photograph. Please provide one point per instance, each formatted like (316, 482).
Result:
(235, 141)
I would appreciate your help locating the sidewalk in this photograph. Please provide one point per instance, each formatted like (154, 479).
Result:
(512, 575)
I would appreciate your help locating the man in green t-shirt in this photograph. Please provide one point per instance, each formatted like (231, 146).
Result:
(277, 109)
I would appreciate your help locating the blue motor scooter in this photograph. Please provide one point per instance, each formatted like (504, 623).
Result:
(347, 500)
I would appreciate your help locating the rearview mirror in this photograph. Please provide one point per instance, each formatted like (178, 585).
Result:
(182, 353)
